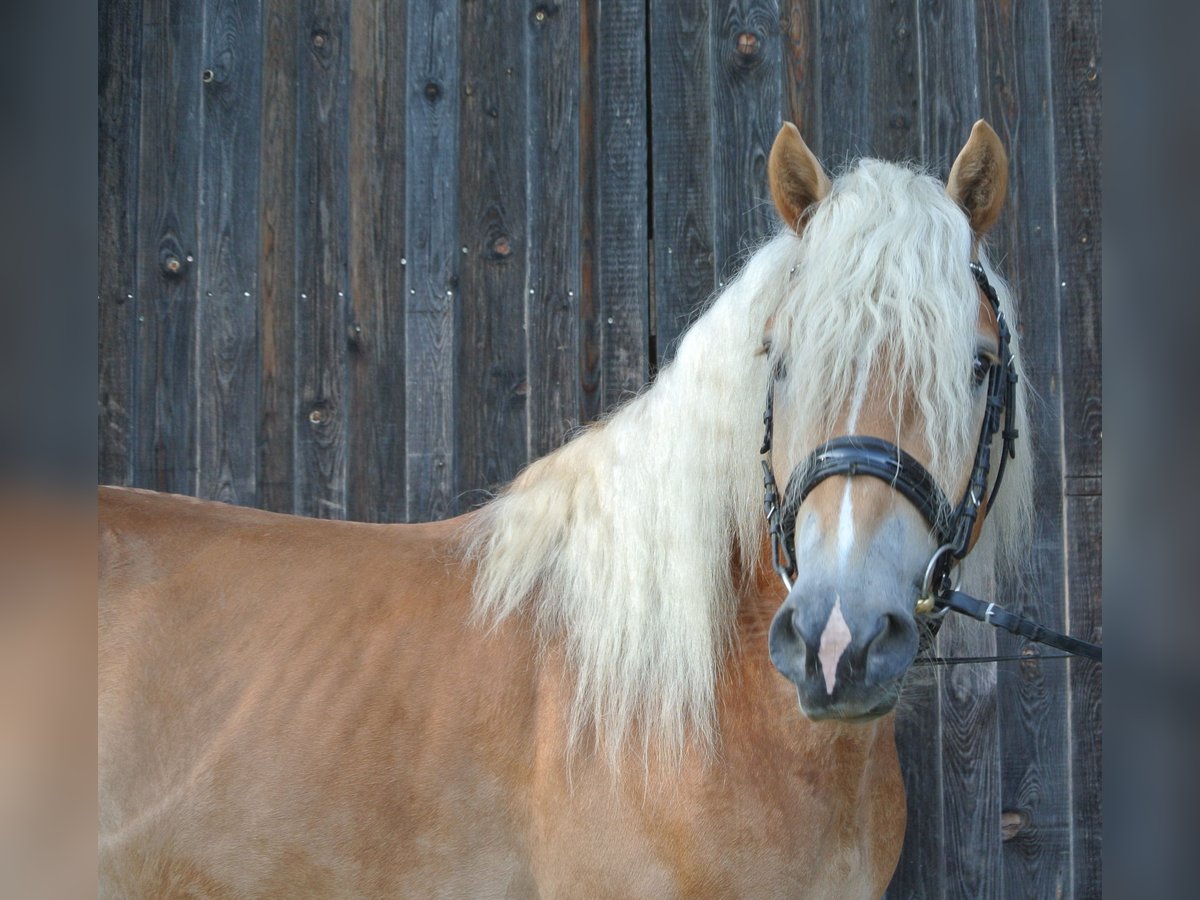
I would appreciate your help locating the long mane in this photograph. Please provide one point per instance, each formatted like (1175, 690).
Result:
(619, 545)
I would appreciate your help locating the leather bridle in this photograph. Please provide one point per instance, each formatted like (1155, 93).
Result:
(954, 526)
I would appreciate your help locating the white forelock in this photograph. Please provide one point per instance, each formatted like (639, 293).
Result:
(620, 543)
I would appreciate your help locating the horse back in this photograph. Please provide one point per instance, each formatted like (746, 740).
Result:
(299, 706)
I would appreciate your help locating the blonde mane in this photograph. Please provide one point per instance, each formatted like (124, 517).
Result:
(619, 545)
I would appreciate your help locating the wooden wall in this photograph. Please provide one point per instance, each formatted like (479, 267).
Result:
(367, 259)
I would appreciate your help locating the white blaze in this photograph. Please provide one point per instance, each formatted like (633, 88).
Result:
(845, 530)
(834, 641)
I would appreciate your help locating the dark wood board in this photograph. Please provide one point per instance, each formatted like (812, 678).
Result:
(433, 258)
(746, 54)
(227, 252)
(165, 296)
(684, 268)
(1014, 79)
(1077, 66)
(614, 125)
(375, 454)
(493, 415)
(278, 294)
(119, 59)
(322, 259)
(553, 180)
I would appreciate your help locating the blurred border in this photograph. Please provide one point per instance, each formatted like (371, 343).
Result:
(1152, 669)
(48, 255)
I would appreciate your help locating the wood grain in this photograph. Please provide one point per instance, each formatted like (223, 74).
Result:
(433, 258)
(746, 53)
(1076, 65)
(165, 297)
(277, 291)
(493, 415)
(322, 260)
(800, 70)
(844, 81)
(119, 58)
(375, 451)
(227, 252)
(684, 272)
(1015, 80)
(614, 307)
(554, 283)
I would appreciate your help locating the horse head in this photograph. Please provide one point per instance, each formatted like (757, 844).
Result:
(891, 379)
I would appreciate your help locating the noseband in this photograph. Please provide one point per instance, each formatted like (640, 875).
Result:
(953, 525)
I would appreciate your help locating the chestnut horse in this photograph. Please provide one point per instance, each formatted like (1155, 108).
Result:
(594, 685)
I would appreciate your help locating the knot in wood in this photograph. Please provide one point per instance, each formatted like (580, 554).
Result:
(172, 265)
(748, 43)
(501, 247)
(433, 91)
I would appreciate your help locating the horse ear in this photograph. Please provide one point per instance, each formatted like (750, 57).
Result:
(796, 178)
(979, 178)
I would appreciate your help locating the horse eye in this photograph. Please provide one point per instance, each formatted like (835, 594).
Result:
(980, 368)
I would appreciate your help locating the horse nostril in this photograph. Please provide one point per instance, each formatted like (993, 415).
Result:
(891, 647)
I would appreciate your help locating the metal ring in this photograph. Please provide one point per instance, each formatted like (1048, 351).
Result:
(925, 598)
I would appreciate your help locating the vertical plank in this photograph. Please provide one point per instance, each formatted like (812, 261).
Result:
(893, 94)
(684, 272)
(168, 174)
(969, 713)
(119, 58)
(1076, 67)
(921, 870)
(801, 69)
(1015, 87)
(845, 64)
(323, 30)
(227, 252)
(277, 290)
(746, 54)
(1087, 726)
(431, 197)
(375, 405)
(614, 307)
(493, 370)
(554, 283)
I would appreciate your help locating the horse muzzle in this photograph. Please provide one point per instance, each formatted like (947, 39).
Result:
(847, 657)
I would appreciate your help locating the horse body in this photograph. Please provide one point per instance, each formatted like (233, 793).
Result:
(594, 685)
(301, 707)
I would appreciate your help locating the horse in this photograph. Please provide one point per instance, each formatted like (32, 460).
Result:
(595, 684)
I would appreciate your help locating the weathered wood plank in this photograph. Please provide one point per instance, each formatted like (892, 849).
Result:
(746, 53)
(323, 32)
(801, 68)
(119, 58)
(1075, 62)
(1087, 723)
(684, 272)
(227, 252)
(893, 94)
(1014, 79)
(375, 403)
(615, 212)
(554, 225)
(433, 254)
(277, 290)
(1076, 66)
(844, 82)
(921, 870)
(493, 423)
(168, 175)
